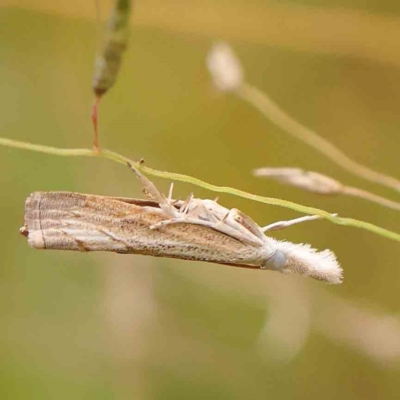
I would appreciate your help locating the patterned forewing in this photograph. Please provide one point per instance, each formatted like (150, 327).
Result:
(73, 221)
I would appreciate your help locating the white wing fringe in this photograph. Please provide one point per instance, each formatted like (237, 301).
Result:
(306, 261)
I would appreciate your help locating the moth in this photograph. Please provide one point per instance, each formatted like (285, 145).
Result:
(193, 229)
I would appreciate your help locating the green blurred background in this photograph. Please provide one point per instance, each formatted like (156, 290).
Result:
(106, 326)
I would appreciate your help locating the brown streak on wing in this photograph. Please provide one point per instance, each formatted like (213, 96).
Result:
(113, 238)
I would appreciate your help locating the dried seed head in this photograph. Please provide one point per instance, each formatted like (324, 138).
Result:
(109, 60)
(306, 261)
(306, 180)
(224, 67)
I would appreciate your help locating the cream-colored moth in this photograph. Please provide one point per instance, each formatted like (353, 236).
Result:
(194, 229)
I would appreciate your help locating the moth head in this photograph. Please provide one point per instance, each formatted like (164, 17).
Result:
(276, 261)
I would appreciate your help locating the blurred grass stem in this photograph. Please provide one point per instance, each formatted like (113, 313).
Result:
(268, 108)
(366, 195)
(315, 182)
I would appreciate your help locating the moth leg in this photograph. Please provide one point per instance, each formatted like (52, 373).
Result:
(284, 224)
(226, 229)
(246, 230)
(184, 208)
(171, 188)
(182, 220)
(201, 212)
(148, 185)
(154, 193)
